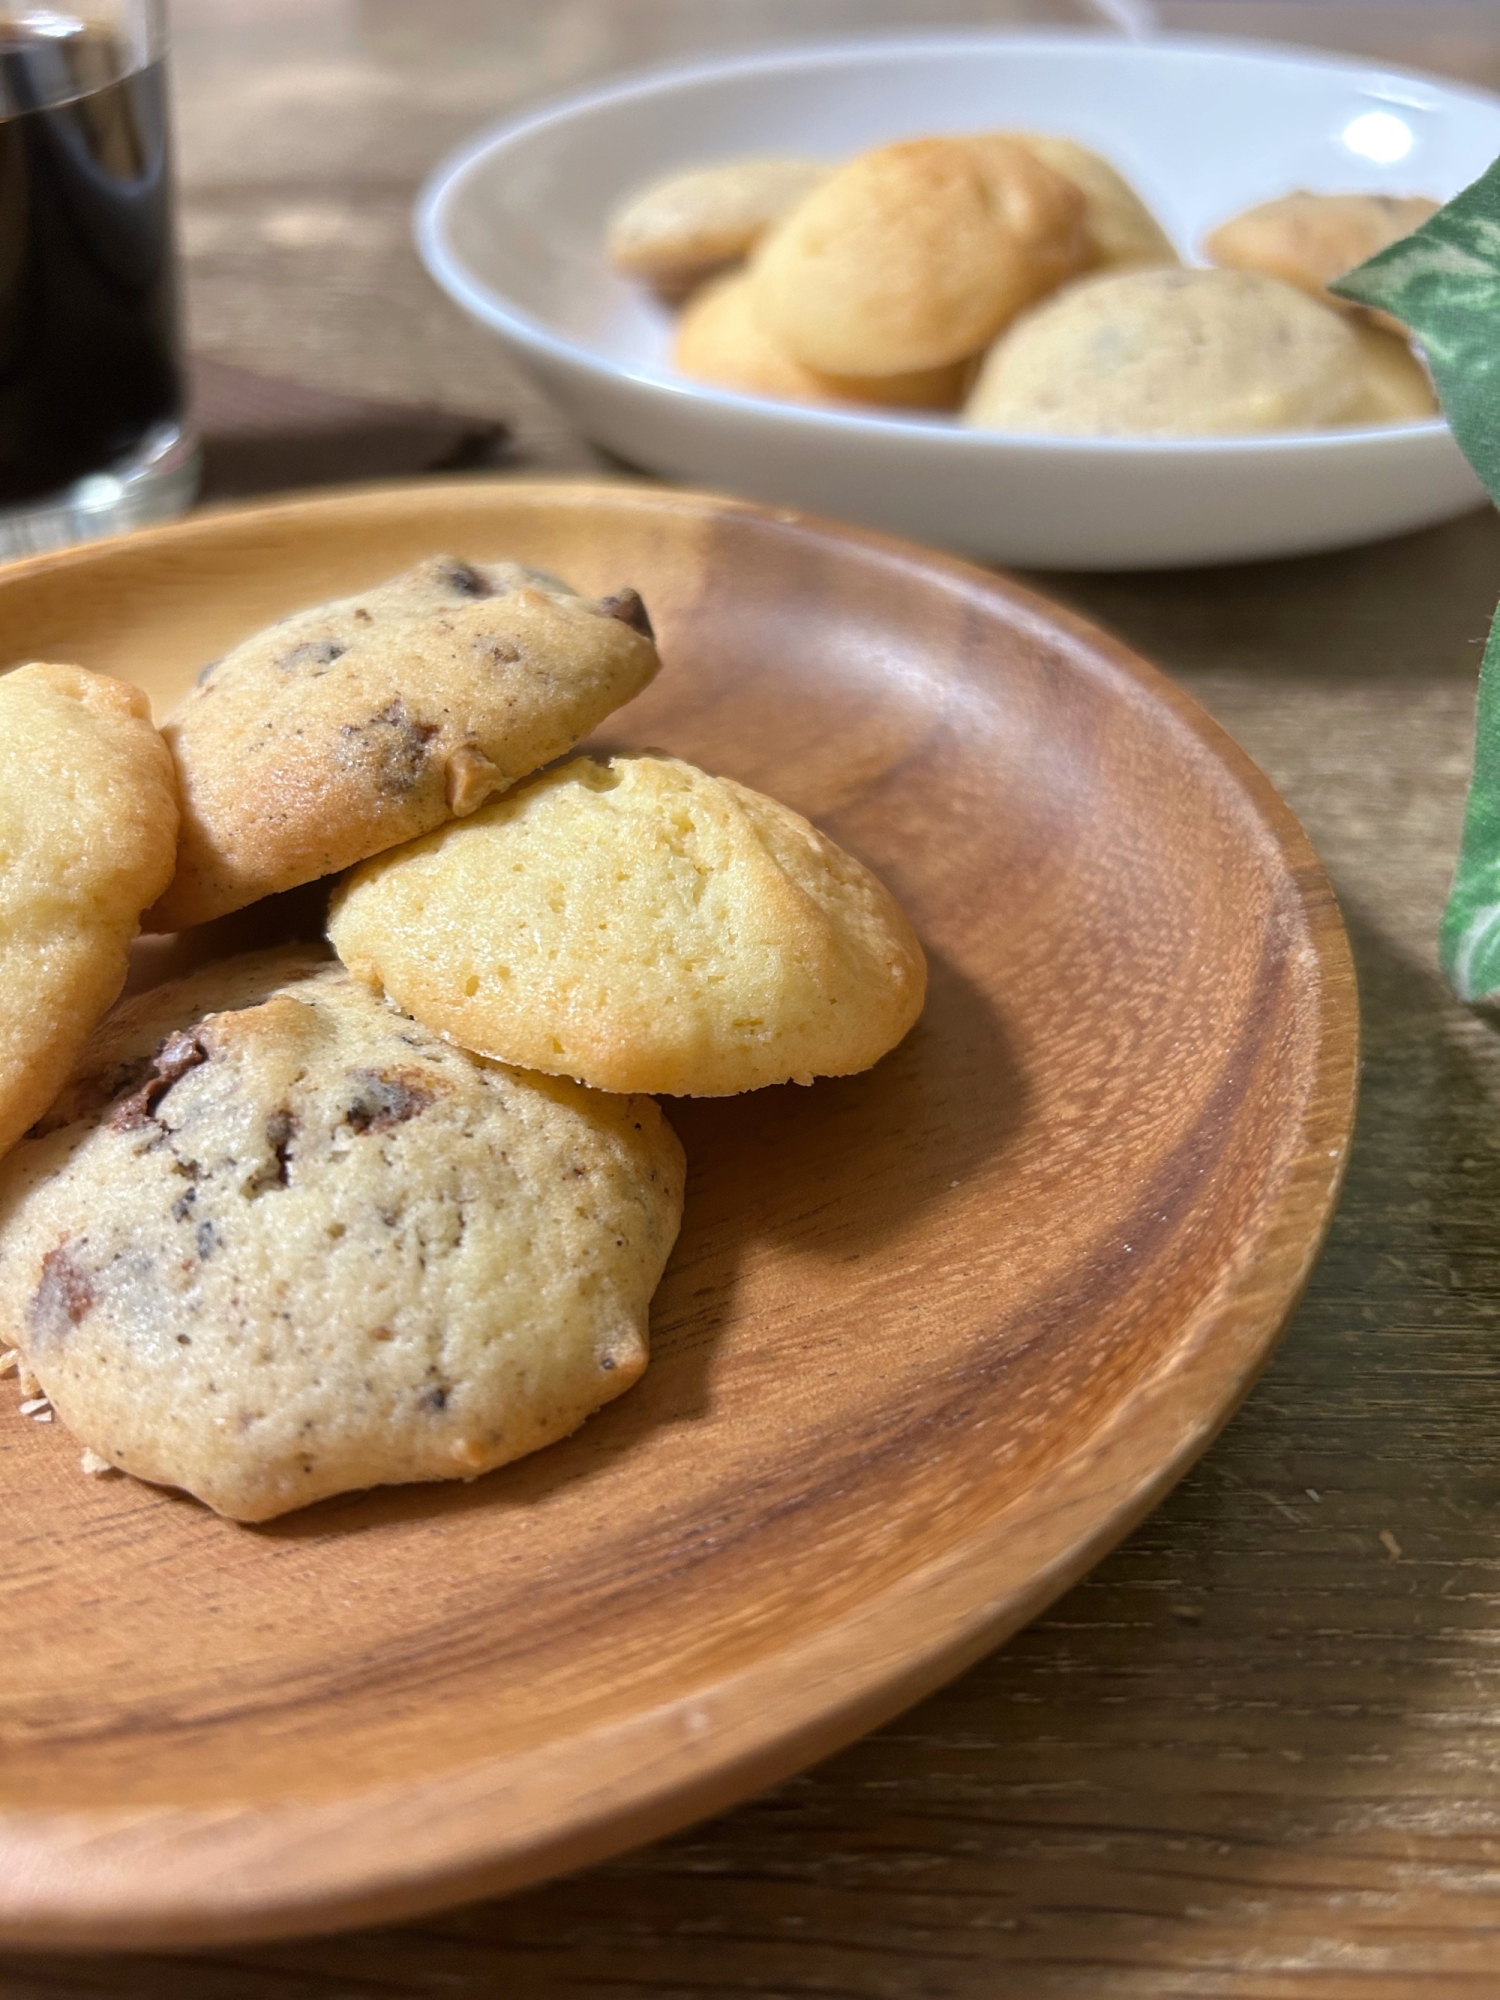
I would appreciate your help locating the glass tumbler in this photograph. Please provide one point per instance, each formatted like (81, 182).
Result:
(93, 435)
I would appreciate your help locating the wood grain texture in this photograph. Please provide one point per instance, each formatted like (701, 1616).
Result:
(1253, 1755)
(932, 1337)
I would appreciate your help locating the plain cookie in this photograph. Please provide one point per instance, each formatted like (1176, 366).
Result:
(1308, 240)
(720, 340)
(640, 926)
(277, 1241)
(1397, 388)
(1184, 353)
(357, 725)
(88, 833)
(678, 230)
(916, 255)
(1125, 234)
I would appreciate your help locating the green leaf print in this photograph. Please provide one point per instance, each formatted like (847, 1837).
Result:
(1443, 281)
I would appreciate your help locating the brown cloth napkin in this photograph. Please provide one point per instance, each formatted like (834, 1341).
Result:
(264, 436)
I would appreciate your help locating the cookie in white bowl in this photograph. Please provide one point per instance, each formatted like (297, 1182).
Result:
(682, 227)
(1172, 354)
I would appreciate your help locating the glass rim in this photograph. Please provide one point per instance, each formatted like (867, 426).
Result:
(137, 29)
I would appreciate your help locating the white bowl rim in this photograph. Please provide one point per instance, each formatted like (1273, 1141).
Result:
(535, 335)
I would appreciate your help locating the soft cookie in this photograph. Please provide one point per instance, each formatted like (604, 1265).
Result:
(916, 255)
(720, 340)
(678, 230)
(1397, 388)
(359, 724)
(1124, 232)
(277, 1241)
(1172, 353)
(1308, 240)
(640, 926)
(88, 831)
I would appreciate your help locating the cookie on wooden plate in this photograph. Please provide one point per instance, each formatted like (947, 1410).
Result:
(277, 1241)
(88, 832)
(355, 725)
(640, 926)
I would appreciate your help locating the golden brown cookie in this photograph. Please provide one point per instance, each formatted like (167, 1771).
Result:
(916, 255)
(678, 230)
(1125, 234)
(720, 340)
(639, 926)
(88, 832)
(1308, 240)
(1397, 388)
(1172, 353)
(359, 724)
(277, 1241)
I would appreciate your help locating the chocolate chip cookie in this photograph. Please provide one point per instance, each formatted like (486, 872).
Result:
(356, 725)
(1173, 353)
(276, 1241)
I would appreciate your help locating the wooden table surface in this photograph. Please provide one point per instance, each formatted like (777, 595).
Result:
(1257, 1752)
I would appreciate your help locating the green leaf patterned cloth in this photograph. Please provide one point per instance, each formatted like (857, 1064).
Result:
(1443, 281)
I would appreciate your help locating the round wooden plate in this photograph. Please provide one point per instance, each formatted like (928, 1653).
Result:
(932, 1339)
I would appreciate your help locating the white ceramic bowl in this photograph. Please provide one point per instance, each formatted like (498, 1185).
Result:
(511, 226)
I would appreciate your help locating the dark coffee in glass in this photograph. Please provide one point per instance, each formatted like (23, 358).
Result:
(91, 391)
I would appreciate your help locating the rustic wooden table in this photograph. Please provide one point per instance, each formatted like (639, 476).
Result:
(1257, 1752)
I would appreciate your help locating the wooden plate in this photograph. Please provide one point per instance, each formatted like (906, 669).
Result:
(932, 1339)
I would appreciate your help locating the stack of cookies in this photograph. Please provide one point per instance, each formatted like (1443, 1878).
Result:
(1018, 279)
(299, 1224)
